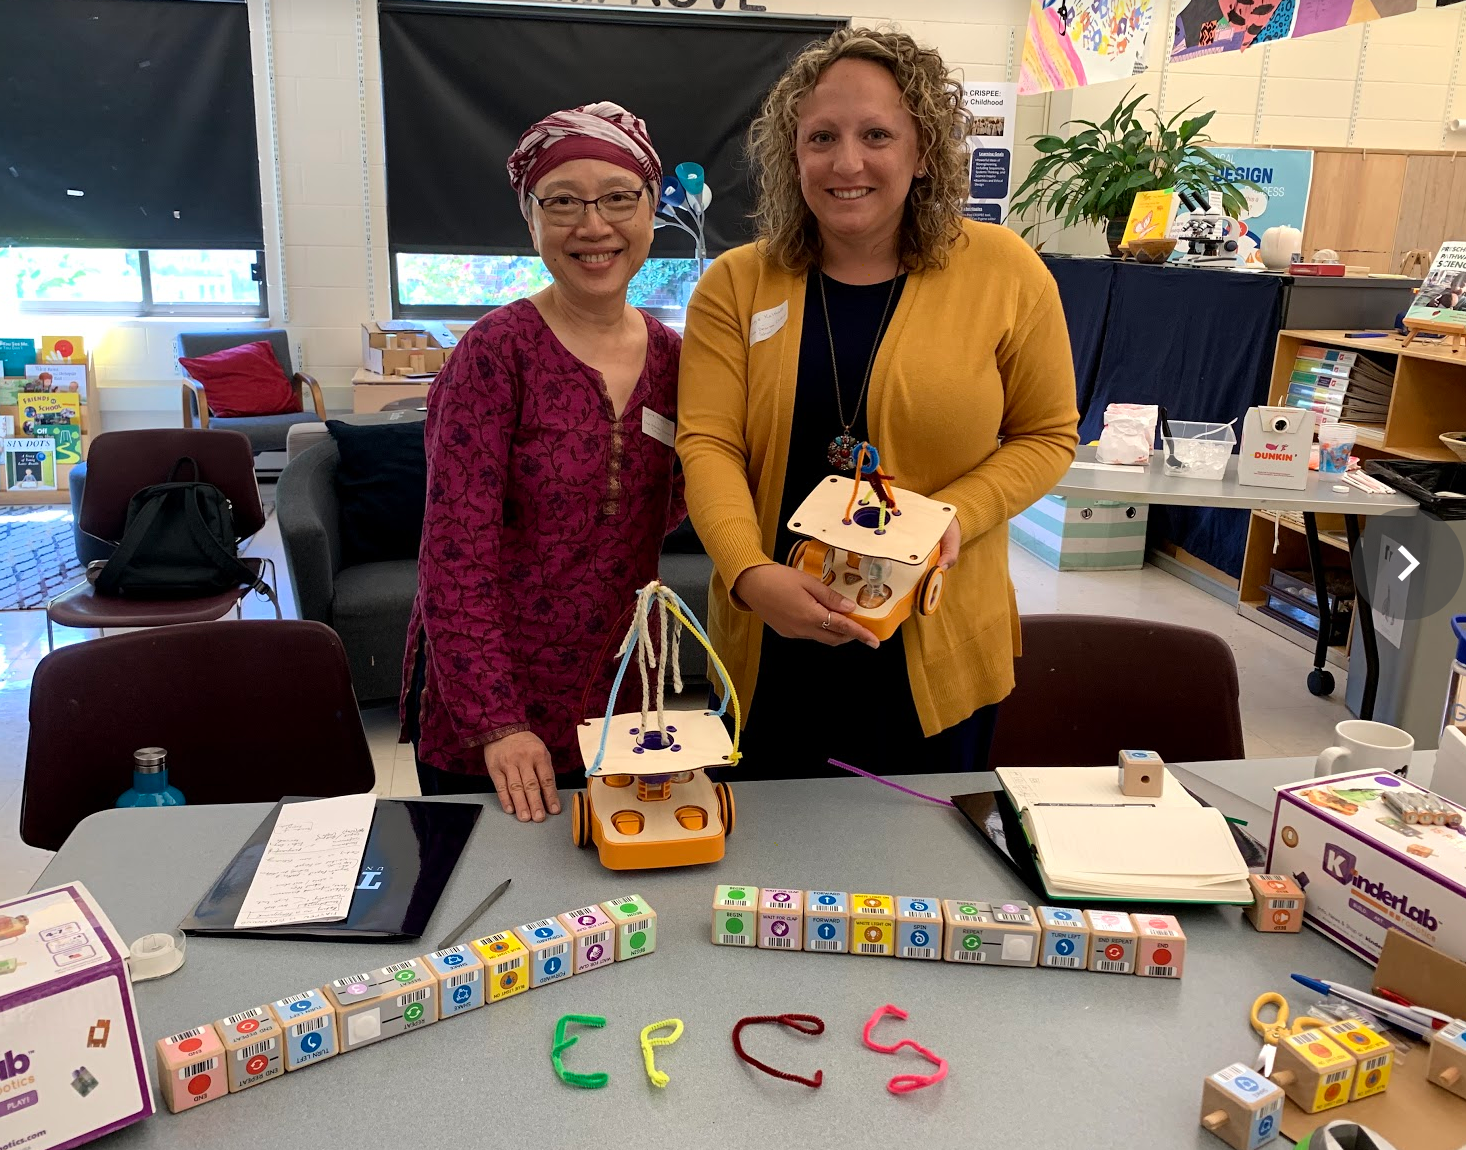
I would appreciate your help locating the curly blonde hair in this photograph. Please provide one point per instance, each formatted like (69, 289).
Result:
(932, 222)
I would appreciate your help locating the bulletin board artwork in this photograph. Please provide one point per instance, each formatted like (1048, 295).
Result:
(1075, 43)
(1204, 27)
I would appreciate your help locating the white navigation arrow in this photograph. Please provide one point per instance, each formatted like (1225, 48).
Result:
(1414, 563)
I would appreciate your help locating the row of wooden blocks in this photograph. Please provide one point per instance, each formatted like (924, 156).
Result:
(1319, 1069)
(256, 1045)
(1008, 933)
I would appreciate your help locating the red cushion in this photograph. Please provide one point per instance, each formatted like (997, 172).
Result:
(243, 380)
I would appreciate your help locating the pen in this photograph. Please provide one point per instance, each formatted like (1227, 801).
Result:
(1404, 1017)
(1401, 1000)
(1094, 804)
(473, 917)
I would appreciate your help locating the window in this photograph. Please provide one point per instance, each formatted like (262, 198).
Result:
(122, 281)
(466, 286)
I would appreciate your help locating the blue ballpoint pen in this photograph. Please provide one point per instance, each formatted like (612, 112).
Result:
(1415, 1019)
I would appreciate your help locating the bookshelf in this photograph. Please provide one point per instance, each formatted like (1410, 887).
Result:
(1428, 398)
(62, 495)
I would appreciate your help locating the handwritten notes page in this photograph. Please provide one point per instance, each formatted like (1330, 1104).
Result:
(310, 865)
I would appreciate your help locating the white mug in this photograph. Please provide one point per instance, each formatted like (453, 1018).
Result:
(1366, 746)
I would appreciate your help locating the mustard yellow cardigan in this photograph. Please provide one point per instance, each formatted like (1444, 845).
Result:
(971, 401)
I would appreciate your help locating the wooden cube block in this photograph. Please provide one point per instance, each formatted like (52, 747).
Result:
(460, 974)
(591, 931)
(548, 944)
(1065, 938)
(1277, 904)
(1162, 946)
(827, 921)
(735, 909)
(309, 1024)
(1142, 774)
(1241, 1107)
(873, 924)
(505, 960)
(1447, 1065)
(253, 1052)
(959, 942)
(1113, 942)
(191, 1068)
(1003, 934)
(383, 1003)
(635, 923)
(1313, 1071)
(780, 919)
(919, 928)
(1374, 1057)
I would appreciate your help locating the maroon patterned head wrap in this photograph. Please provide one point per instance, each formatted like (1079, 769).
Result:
(603, 131)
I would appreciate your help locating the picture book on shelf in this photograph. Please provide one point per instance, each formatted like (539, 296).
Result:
(10, 389)
(30, 464)
(1151, 216)
(1442, 297)
(63, 349)
(15, 354)
(66, 377)
(56, 415)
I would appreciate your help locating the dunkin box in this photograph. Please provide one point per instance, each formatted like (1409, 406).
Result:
(1365, 872)
(72, 1067)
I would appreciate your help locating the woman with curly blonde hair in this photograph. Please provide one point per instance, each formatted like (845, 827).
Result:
(868, 310)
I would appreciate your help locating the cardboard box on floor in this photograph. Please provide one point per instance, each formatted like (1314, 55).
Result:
(1413, 1113)
(433, 341)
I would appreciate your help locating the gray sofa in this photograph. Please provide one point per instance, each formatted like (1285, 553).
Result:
(368, 605)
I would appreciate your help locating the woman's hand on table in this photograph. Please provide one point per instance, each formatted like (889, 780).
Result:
(799, 606)
(523, 776)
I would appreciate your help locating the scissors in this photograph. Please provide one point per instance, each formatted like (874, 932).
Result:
(1278, 1029)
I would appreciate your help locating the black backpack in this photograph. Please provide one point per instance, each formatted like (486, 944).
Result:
(179, 543)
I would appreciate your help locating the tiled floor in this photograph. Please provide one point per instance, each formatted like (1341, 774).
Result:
(1278, 715)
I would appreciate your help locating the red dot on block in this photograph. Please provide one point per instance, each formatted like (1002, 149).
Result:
(1162, 956)
(1320, 1049)
(199, 1084)
(1331, 1092)
(248, 1026)
(189, 1045)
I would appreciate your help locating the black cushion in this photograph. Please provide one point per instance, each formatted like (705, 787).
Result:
(382, 486)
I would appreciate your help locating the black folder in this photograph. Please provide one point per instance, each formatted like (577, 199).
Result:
(410, 854)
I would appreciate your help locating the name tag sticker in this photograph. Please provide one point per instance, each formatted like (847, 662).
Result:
(767, 323)
(658, 426)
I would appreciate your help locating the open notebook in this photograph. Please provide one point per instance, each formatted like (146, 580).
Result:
(1092, 841)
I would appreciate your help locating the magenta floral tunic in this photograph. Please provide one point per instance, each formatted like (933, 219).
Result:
(544, 516)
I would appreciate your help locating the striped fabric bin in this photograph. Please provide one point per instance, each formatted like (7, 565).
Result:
(1083, 534)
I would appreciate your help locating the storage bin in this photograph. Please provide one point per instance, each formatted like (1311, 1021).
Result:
(1083, 534)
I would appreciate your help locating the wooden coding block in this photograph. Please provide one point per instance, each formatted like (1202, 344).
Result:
(1447, 1065)
(962, 942)
(735, 915)
(1162, 952)
(1277, 904)
(1374, 1058)
(919, 928)
(548, 944)
(1241, 1107)
(827, 921)
(636, 925)
(309, 1024)
(1142, 774)
(994, 934)
(873, 924)
(383, 1003)
(504, 959)
(591, 932)
(253, 1051)
(1065, 938)
(460, 975)
(191, 1068)
(1113, 942)
(780, 919)
(1313, 1071)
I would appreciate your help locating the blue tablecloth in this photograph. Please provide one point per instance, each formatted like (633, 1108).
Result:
(1198, 342)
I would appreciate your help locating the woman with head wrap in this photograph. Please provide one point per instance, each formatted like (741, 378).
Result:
(550, 479)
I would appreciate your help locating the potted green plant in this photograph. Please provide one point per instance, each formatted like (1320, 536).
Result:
(1094, 175)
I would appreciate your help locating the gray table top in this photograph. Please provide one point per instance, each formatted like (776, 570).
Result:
(1152, 485)
(1032, 1051)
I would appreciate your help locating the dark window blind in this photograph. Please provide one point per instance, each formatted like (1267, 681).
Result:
(461, 82)
(128, 124)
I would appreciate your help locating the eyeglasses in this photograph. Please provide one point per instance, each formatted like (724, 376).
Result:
(613, 207)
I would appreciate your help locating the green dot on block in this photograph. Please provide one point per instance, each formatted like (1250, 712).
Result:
(737, 894)
(735, 926)
(968, 909)
(638, 940)
(971, 942)
(628, 908)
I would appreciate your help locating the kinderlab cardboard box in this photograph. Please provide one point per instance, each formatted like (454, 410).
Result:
(72, 1067)
(1276, 444)
(1365, 872)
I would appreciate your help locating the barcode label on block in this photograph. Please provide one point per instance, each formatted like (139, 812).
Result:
(1109, 967)
(640, 924)
(343, 983)
(513, 964)
(294, 998)
(1161, 971)
(553, 951)
(1283, 903)
(183, 1035)
(1374, 1063)
(1010, 916)
(778, 943)
(970, 956)
(199, 1068)
(234, 1019)
(317, 1023)
(419, 995)
(462, 979)
(822, 944)
(918, 952)
(1338, 1076)
(600, 938)
(735, 940)
(254, 1049)
(397, 967)
(870, 948)
(543, 923)
(1071, 962)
